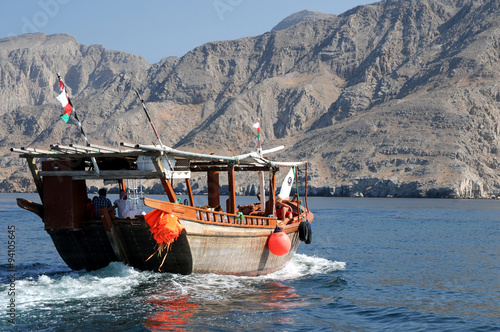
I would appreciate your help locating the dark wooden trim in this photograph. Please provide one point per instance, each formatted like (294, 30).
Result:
(190, 192)
(36, 176)
(213, 189)
(225, 168)
(232, 191)
(168, 189)
(30, 206)
(270, 206)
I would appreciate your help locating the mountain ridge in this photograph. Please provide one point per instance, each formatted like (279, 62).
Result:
(395, 98)
(299, 17)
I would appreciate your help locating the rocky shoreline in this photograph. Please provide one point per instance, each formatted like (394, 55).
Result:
(363, 188)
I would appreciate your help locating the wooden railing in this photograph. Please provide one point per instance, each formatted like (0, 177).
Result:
(239, 219)
(216, 217)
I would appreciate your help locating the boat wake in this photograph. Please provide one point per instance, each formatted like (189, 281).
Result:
(303, 266)
(221, 288)
(119, 280)
(111, 281)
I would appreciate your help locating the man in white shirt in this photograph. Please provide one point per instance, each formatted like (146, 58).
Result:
(125, 207)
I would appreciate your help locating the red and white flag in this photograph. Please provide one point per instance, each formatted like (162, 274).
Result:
(65, 102)
(257, 126)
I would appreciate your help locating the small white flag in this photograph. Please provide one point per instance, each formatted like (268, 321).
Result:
(286, 186)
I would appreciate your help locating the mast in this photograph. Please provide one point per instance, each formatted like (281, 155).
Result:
(261, 174)
(149, 118)
(167, 185)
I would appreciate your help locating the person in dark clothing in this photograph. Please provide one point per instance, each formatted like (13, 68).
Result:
(101, 200)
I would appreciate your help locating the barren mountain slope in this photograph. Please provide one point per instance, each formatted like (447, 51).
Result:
(394, 98)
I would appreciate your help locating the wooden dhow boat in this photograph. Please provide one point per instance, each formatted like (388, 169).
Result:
(220, 237)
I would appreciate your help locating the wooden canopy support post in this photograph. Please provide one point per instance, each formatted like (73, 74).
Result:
(213, 189)
(164, 181)
(121, 184)
(36, 176)
(262, 190)
(231, 208)
(270, 207)
(168, 189)
(305, 190)
(190, 191)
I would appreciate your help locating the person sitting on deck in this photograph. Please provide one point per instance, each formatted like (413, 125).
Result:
(282, 210)
(125, 207)
(89, 209)
(101, 200)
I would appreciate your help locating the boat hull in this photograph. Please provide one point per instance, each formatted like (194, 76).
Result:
(83, 249)
(234, 250)
(135, 246)
(202, 248)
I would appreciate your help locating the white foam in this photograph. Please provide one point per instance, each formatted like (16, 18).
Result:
(114, 280)
(211, 287)
(118, 279)
(302, 266)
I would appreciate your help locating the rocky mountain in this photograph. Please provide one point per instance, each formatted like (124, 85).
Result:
(302, 16)
(399, 97)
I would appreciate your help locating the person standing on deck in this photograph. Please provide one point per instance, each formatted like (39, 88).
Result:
(101, 201)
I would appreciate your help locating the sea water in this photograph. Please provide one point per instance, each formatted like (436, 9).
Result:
(373, 265)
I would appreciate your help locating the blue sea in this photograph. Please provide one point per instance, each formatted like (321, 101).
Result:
(374, 265)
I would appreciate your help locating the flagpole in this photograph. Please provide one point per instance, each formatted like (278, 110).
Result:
(149, 118)
(80, 127)
(152, 125)
(261, 173)
(259, 147)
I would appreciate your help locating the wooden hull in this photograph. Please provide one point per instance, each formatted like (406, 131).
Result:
(201, 248)
(210, 242)
(135, 246)
(83, 249)
(234, 250)
(221, 244)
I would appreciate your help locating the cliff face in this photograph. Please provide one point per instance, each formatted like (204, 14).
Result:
(396, 98)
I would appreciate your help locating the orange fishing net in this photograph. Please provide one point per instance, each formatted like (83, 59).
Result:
(165, 228)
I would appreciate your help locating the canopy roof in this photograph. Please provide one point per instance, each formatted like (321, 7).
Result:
(96, 155)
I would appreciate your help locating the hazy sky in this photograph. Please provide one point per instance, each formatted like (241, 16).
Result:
(155, 28)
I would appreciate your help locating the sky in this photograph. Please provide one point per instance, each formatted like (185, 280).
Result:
(155, 29)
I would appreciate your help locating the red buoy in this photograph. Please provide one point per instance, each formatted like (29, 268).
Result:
(279, 243)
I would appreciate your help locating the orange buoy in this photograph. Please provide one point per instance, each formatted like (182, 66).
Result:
(279, 243)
